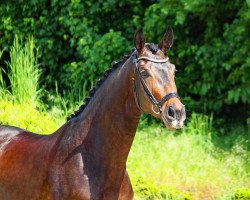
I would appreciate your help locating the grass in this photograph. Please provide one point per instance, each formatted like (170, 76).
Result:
(3, 90)
(26, 116)
(189, 162)
(20, 100)
(24, 72)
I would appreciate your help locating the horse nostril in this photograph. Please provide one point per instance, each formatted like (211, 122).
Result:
(171, 112)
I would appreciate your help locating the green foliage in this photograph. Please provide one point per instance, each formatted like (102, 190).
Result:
(78, 40)
(211, 49)
(242, 194)
(68, 34)
(26, 116)
(24, 73)
(111, 45)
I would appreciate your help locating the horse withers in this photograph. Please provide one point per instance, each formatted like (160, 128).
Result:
(85, 159)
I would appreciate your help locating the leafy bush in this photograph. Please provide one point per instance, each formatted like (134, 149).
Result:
(209, 50)
(67, 33)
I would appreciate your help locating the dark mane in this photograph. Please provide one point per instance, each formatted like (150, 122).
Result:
(152, 47)
(114, 66)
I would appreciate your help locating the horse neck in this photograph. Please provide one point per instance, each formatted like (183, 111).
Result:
(108, 124)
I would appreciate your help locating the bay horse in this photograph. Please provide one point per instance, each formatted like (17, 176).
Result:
(85, 159)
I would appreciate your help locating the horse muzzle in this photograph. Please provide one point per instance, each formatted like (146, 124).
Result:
(174, 116)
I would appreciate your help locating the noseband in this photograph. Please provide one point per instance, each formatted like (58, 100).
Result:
(155, 103)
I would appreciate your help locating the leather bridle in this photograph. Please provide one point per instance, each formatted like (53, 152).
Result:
(155, 103)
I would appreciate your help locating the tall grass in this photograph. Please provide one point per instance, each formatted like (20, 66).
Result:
(24, 72)
(66, 104)
(189, 161)
(201, 124)
(2, 83)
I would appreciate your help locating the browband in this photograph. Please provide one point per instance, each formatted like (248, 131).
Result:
(153, 60)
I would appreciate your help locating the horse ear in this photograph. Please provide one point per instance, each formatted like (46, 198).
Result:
(167, 40)
(139, 40)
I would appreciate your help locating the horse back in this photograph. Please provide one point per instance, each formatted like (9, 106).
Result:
(7, 133)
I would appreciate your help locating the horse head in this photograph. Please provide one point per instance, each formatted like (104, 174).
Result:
(154, 80)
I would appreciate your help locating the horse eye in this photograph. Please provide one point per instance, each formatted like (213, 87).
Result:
(144, 74)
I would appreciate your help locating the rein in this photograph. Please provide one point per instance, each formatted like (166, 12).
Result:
(155, 103)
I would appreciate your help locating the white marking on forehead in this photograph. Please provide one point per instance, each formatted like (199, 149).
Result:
(163, 73)
(168, 73)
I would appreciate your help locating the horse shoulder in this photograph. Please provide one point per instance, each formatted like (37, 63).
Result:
(67, 176)
(68, 179)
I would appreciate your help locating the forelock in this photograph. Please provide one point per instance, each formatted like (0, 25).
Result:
(152, 47)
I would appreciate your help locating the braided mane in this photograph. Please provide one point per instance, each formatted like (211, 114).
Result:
(114, 66)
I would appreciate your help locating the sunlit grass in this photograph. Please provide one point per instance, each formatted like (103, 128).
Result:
(26, 116)
(189, 162)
